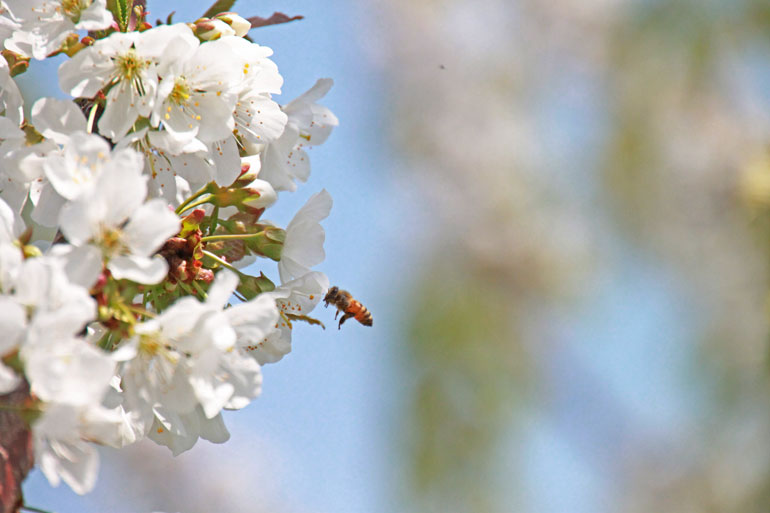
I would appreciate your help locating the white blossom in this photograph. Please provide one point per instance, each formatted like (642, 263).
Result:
(309, 124)
(45, 24)
(63, 438)
(114, 217)
(127, 63)
(10, 97)
(187, 360)
(297, 297)
(196, 95)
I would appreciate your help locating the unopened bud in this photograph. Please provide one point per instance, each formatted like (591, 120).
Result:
(261, 194)
(17, 63)
(240, 25)
(207, 29)
(73, 45)
(251, 286)
(250, 167)
(268, 242)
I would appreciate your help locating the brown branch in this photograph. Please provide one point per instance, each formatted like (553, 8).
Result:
(16, 454)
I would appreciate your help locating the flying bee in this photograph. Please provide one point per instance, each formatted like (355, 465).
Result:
(351, 307)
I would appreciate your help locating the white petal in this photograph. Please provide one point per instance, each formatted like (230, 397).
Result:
(83, 264)
(9, 380)
(149, 227)
(317, 208)
(220, 291)
(120, 111)
(253, 320)
(13, 320)
(214, 430)
(67, 370)
(56, 119)
(139, 269)
(225, 155)
(76, 462)
(95, 16)
(10, 97)
(122, 192)
(48, 206)
(79, 221)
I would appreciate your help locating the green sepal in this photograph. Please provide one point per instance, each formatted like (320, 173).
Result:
(252, 286)
(13, 361)
(191, 222)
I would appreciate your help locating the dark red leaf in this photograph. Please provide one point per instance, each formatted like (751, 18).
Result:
(276, 18)
(217, 7)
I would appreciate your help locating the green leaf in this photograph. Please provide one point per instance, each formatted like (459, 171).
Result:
(219, 6)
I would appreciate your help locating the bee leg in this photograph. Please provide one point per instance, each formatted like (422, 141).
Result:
(336, 314)
(344, 318)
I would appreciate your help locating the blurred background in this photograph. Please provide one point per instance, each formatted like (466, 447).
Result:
(558, 214)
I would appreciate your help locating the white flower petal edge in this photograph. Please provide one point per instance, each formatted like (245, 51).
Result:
(303, 247)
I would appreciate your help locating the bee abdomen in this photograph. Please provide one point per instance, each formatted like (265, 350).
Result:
(362, 314)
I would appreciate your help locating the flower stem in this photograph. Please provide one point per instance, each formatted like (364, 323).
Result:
(200, 290)
(234, 236)
(187, 288)
(194, 204)
(221, 262)
(200, 192)
(92, 118)
(214, 220)
(141, 311)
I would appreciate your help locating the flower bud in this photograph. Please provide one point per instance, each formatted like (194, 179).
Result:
(16, 63)
(251, 286)
(250, 167)
(207, 29)
(240, 25)
(261, 194)
(267, 242)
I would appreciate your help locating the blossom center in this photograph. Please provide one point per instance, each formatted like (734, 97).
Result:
(150, 345)
(130, 65)
(73, 8)
(153, 345)
(111, 241)
(181, 92)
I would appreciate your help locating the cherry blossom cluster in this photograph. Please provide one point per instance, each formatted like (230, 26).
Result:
(128, 213)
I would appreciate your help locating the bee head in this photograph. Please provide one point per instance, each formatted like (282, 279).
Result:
(331, 295)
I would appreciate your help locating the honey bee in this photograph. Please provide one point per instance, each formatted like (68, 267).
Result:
(345, 302)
